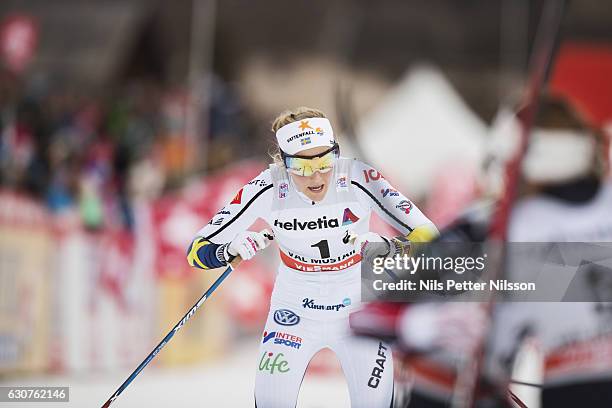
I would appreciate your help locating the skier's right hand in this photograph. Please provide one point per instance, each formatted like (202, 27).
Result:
(246, 244)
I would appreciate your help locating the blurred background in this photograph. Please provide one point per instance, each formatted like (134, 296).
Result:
(126, 124)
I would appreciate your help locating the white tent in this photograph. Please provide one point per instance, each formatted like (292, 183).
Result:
(420, 128)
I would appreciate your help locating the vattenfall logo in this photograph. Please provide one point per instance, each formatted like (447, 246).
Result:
(310, 132)
(296, 225)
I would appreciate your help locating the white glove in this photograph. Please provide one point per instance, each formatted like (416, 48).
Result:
(246, 244)
(371, 245)
(454, 327)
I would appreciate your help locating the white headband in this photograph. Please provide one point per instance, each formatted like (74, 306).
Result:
(305, 134)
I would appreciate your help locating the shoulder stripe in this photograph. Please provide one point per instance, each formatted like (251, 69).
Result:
(365, 190)
(269, 186)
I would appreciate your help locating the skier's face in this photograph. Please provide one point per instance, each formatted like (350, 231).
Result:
(315, 186)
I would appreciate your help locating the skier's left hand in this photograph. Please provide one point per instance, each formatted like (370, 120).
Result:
(371, 245)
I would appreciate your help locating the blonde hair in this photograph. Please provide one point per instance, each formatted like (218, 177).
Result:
(290, 116)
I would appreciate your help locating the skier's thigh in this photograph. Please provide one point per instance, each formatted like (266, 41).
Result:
(283, 357)
(368, 367)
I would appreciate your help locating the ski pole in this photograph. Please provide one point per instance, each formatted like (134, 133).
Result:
(177, 327)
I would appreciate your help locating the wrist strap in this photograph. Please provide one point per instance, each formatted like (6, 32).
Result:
(388, 246)
(222, 253)
(401, 245)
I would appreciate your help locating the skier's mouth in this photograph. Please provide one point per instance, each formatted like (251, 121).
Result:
(317, 189)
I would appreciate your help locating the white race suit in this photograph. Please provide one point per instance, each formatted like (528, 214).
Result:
(318, 281)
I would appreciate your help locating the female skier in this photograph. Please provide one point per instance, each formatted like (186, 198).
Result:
(314, 200)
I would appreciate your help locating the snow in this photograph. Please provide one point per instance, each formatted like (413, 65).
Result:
(228, 382)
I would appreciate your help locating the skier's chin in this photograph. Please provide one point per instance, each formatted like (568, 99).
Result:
(316, 192)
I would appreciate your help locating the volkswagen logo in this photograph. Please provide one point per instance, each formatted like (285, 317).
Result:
(286, 317)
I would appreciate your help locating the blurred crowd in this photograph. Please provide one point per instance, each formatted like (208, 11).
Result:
(96, 152)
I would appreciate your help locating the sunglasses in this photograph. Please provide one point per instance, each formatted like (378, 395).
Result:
(308, 165)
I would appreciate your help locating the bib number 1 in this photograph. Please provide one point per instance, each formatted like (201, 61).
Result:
(323, 246)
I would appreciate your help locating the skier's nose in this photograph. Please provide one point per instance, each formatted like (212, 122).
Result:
(316, 177)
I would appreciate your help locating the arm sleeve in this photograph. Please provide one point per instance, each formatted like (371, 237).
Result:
(252, 201)
(374, 191)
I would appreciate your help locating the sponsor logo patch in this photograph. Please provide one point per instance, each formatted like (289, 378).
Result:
(283, 190)
(284, 339)
(309, 267)
(379, 367)
(304, 125)
(258, 182)
(405, 206)
(273, 363)
(342, 182)
(294, 137)
(348, 217)
(237, 198)
(324, 260)
(295, 225)
(389, 192)
(346, 238)
(308, 303)
(286, 317)
(372, 175)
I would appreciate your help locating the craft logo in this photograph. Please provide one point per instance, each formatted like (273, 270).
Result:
(295, 225)
(305, 141)
(284, 339)
(348, 217)
(283, 190)
(389, 192)
(310, 304)
(379, 367)
(272, 365)
(371, 175)
(238, 198)
(342, 182)
(286, 317)
(405, 206)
